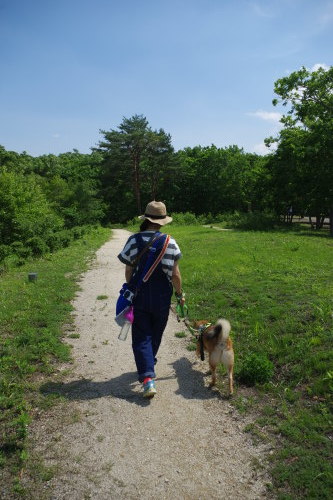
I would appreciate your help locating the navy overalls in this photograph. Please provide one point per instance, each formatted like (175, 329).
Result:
(151, 311)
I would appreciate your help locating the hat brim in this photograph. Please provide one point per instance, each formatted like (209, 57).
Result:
(160, 222)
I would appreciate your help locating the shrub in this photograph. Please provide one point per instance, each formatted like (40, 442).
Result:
(64, 237)
(38, 245)
(255, 221)
(4, 252)
(20, 250)
(255, 369)
(78, 232)
(185, 219)
(25, 213)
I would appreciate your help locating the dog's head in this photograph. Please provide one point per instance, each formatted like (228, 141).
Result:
(200, 323)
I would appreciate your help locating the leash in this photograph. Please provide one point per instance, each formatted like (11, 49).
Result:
(198, 334)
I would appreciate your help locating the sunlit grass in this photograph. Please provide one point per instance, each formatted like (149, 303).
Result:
(276, 288)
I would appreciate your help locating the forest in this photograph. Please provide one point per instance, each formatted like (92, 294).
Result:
(47, 201)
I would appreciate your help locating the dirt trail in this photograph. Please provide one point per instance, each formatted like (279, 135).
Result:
(186, 443)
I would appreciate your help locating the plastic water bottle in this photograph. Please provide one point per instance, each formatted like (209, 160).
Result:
(124, 330)
(129, 318)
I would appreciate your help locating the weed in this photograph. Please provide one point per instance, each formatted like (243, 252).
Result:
(191, 347)
(102, 297)
(73, 336)
(243, 404)
(255, 368)
(180, 335)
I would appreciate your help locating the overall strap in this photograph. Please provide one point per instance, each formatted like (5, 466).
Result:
(157, 260)
(144, 268)
(140, 243)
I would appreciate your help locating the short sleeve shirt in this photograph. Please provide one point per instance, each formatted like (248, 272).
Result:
(130, 251)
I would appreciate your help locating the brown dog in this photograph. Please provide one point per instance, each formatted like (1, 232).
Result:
(216, 341)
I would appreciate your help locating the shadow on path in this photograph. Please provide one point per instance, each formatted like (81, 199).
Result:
(122, 387)
(191, 385)
(192, 382)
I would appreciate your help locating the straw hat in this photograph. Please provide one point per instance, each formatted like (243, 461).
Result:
(156, 213)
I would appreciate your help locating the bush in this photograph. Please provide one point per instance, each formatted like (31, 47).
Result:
(65, 237)
(185, 219)
(4, 252)
(78, 232)
(38, 245)
(255, 221)
(22, 251)
(255, 369)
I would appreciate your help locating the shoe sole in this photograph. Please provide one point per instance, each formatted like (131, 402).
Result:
(150, 394)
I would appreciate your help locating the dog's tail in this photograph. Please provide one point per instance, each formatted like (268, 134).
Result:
(222, 325)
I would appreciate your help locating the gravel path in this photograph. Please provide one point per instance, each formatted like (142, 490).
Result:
(109, 443)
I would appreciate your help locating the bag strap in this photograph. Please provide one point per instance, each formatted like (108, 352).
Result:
(157, 261)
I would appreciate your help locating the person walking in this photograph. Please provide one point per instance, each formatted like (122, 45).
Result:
(152, 302)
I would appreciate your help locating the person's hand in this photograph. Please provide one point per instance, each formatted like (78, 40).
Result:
(180, 297)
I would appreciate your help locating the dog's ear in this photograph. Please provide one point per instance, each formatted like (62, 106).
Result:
(217, 329)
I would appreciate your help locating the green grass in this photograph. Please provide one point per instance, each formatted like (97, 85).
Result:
(32, 315)
(276, 288)
(180, 335)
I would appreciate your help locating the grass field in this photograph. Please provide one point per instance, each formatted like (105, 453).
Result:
(276, 288)
(33, 320)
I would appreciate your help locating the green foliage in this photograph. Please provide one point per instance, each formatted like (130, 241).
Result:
(301, 172)
(186, 218)
(24, 210)
(217, 180)
(255, 369)
(43, 201)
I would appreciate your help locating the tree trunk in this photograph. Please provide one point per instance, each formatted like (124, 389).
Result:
(136, 178)
(153, 187)
(320, 221)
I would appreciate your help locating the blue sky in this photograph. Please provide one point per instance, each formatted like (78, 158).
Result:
(203, 70)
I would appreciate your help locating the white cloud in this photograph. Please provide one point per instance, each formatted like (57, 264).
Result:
(267, 115)
(315, 67)
(262, 149)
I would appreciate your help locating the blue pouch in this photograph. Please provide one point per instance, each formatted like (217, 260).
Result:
(125, 298)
